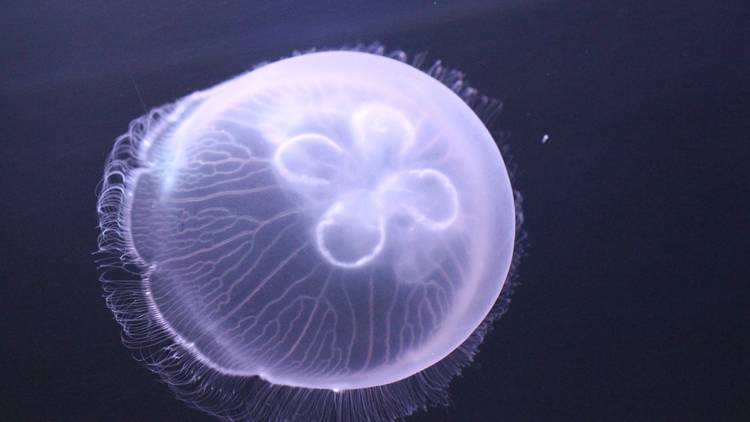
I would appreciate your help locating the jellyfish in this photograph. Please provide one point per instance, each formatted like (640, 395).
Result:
(325, 237)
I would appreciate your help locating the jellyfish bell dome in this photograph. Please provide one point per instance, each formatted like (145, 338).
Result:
(335, 220)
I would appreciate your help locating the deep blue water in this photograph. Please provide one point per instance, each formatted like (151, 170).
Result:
(633, 302)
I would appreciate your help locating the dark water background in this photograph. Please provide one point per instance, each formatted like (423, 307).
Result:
(634, 303)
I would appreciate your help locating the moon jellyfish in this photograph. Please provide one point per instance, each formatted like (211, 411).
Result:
(325, 237)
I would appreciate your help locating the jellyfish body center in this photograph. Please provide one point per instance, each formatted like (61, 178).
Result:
(367, 184)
